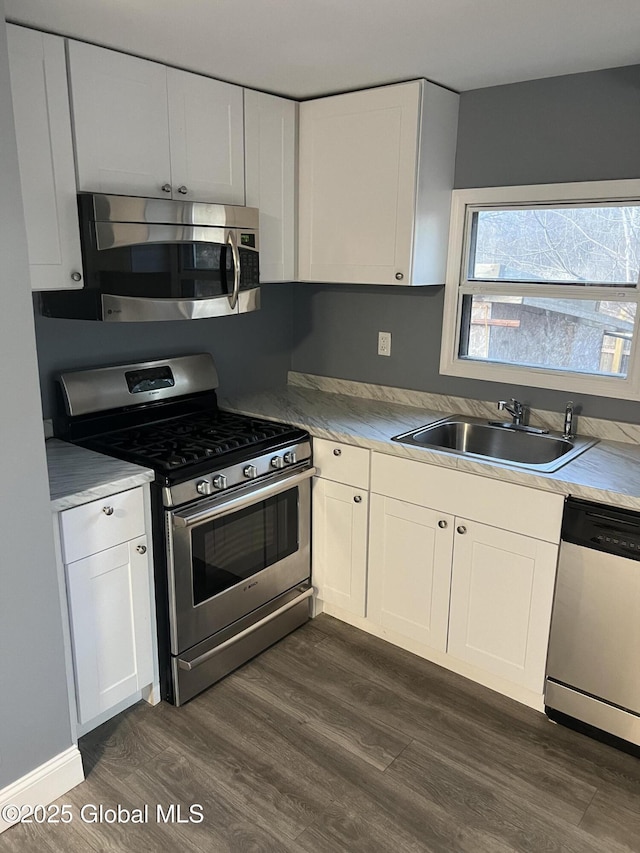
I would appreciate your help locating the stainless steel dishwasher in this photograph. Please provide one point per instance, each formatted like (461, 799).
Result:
(593, 668)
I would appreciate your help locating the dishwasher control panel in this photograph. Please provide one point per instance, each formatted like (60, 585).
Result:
(603, 528)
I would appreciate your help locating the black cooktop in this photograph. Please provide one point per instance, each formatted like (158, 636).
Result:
(183, 444)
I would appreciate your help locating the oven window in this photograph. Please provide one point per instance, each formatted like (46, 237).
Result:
(228, 550)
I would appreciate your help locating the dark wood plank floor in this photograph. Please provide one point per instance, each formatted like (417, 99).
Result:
(336, 741)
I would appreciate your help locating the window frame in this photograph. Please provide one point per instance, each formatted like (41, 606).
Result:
(457, 285)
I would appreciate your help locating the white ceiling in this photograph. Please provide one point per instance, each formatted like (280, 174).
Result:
(303, 48)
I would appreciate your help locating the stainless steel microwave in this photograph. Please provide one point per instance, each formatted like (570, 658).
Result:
(162, 259)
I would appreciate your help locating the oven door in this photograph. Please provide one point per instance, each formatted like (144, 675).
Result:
(231, 555)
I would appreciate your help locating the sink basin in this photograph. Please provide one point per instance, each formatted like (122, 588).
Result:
(519, 448)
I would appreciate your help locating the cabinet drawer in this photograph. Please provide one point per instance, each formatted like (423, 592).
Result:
(341, 462)
(101, 524)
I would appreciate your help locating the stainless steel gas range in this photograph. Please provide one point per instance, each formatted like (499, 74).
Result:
(231, 510)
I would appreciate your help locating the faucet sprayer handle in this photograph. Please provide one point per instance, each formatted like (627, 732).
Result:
(568, 420)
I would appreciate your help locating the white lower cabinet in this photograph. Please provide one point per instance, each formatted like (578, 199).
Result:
(109, 604)
(106, 554)
(501, 595)
(461, 568)
(340, 545)
(410, 570)
(463, 585)
(340, 510)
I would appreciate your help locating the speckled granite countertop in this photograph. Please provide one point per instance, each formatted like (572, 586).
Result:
(608, 472)
(77, 475)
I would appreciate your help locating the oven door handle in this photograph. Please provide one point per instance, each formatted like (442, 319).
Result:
(192, 664)
(189, 518)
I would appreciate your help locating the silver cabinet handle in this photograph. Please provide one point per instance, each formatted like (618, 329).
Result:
(399, 276)
(357, 499)
(337, 452)
(107, 510)
(442, 524)
(141, 549)
(76, 276)
(183, 190)
(166, 188)
(461, 528)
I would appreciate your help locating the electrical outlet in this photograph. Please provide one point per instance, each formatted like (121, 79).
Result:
(384, 343)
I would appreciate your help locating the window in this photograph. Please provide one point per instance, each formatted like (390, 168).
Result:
(542, 286)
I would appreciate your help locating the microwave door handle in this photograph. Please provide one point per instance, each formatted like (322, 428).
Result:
(231, 241)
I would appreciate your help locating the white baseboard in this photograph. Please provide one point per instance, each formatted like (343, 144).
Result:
(44, 784)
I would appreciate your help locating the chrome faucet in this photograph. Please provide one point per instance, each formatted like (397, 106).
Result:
(516, 410)
(567, 431)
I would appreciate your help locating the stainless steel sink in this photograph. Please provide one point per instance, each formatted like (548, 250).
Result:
(517, 447)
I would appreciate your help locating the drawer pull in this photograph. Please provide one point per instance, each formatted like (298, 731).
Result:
(141, 549)
(357, 499)
(442, 524)
(461, 528)
(337, 451)
(107, 510)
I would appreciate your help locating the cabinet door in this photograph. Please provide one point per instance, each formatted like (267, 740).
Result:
(410, 570)
(45, 154)
(120, 122)
(501, 596)
(270, 168)
(340, 544)
(206, 129)
(358, 163)
(109, 607)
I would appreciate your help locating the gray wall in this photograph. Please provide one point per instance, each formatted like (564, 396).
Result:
(34, 709)
(580, 127)
(574, 128)
(252, 351)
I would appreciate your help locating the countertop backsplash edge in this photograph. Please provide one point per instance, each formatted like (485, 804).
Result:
(597, 427)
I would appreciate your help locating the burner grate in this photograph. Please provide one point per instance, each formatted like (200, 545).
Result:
(189, 440)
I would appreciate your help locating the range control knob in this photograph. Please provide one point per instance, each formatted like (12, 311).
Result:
(220, 481)
(277, 462)
(203, 487)
(250, 472)
(289, 457)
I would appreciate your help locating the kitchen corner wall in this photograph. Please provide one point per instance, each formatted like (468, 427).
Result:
(252, 351)
(579, 127)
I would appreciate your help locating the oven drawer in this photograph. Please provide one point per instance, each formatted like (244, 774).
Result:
(101, 524)
(343, 463)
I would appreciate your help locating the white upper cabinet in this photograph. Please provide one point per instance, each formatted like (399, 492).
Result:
(270, 167)
(45, 155)
(120, 122)
(144, 129)
(375, 180)
(206, 137)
